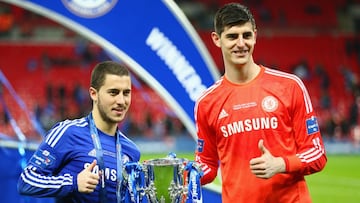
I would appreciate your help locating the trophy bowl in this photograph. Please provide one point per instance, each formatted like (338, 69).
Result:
(162, 180)
(165, 180)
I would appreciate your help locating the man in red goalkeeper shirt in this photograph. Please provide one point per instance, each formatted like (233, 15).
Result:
(257, 124)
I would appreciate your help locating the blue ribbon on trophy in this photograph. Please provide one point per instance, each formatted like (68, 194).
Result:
(134, 184)
(194, 186)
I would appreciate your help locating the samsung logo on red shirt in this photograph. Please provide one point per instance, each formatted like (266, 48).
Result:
(248, 125)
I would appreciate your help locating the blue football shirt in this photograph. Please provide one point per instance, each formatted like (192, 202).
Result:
(65, 151)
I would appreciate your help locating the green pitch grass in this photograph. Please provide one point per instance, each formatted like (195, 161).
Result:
(338, 182)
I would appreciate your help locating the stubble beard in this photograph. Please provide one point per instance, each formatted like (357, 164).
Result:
(104, 116)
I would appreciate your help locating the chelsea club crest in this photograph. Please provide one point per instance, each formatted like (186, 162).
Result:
(89, 9)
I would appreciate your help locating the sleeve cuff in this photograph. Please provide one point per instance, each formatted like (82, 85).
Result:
(292, 163)
(74, 185)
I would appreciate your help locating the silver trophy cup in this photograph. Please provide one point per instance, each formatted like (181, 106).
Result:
(162, 180)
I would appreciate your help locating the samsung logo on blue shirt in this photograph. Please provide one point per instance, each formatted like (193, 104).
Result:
(312, 125)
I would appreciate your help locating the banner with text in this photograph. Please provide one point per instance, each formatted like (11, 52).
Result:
(154, 38)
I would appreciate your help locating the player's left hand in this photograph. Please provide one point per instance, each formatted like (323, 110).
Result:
(266, 166)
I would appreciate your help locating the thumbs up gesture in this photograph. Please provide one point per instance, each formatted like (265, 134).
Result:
(266, 166)
(87, 180)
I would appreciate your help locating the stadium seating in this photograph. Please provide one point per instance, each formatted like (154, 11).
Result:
(32, 66)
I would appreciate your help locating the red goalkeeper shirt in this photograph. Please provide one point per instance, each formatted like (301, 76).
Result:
(232, 118)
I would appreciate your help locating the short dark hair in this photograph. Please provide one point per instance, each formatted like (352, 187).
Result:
(232, 14)
(102, 69)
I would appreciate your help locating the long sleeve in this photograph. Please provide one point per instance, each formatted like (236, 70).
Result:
(43, 175)
(206, 153)
(33, 182)
(47, 173)
(206, 156)
(310, 156)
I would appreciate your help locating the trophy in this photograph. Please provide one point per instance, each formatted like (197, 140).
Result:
(162, 180)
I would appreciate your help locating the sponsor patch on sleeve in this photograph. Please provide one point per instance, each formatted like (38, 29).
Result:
(200, 145)
(312, 125)
(42, 158)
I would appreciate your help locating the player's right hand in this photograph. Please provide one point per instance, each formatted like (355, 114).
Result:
(267, 165)
(86, 180)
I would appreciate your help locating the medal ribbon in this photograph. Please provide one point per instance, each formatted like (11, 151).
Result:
(100, 161)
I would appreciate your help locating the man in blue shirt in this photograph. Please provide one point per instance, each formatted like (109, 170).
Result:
(81, 160)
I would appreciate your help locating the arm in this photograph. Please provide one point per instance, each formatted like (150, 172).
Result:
(309, 153)
(48, 173)
(38, 180)
(34, 184)
(310, 161)
(311, 157)
(206, 153)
